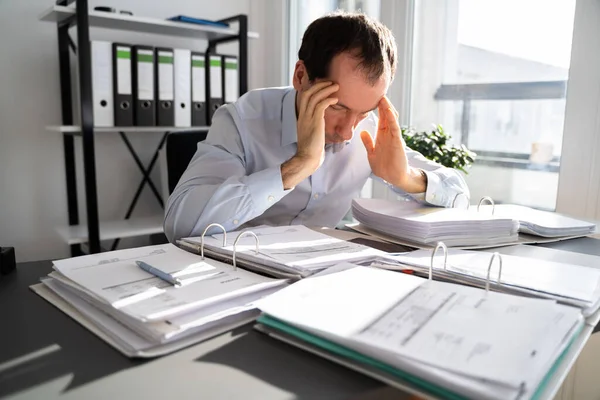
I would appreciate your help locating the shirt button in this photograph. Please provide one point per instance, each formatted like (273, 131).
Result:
(235, 221)
(271, 199)
(316, 196)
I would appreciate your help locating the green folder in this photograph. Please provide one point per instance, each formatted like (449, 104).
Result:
(419, 383)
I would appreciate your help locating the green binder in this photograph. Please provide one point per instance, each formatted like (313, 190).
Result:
(419, 383)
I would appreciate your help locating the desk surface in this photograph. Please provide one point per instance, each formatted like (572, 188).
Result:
(239, 364)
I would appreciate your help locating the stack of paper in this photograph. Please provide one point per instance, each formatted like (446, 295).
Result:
(540, 223)
(284, 251)
(575, 285)
(148, 316)
(445, 340)
(423, 225)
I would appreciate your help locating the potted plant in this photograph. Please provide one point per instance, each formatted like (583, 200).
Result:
(435, 146)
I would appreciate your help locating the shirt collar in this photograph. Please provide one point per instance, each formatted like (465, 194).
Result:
(289, 133)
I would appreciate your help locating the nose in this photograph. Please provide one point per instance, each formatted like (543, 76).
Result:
(346, 128)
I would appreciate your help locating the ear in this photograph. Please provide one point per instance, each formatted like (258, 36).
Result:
(300, 79)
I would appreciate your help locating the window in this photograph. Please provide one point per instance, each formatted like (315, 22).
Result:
(494, 74)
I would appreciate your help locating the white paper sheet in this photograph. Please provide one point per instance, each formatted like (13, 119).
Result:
(122, 284)
(295, 246)
(566, 280)
(502, 338)
(341, 303)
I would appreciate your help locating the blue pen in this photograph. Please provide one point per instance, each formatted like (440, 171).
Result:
(158, 273)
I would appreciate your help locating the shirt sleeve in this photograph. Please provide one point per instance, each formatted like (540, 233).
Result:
(443, 184)
(215, 188)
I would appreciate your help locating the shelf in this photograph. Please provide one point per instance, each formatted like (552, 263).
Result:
(76, 129)
(156, 26)
(78, 234)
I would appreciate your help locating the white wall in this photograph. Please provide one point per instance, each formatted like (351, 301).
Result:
(32, 176)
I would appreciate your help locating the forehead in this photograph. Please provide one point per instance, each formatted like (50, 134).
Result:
(355, 91)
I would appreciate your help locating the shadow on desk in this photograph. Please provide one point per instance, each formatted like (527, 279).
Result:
(310, 377)
(29, 323)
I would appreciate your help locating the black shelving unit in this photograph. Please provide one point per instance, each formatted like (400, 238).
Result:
(65, 16)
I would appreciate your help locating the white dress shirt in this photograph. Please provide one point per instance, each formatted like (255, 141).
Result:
(234, 178)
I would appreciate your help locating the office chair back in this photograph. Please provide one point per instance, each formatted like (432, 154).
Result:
(180, 149)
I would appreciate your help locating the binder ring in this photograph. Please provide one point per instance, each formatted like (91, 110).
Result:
(487, 281)
(439, 245)
(488, 199)
(244, 233)
(204, 233)
(456, 197)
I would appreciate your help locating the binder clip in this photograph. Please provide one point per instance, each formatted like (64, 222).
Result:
(242, 234)
(489, 200)
(204, 233)
(463, 195)
(487, 281)
(439, 245)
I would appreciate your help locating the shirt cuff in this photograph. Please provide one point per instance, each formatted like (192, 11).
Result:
(434, 194)
(266, 188)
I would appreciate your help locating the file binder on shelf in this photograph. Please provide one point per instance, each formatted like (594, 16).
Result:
(199, 110)
(122, 84)
(164, 94)
(435, 339)
(182, 59)
(214, 80)
(287, 252)
(143, 86)
(142, 314)
(102, 76)
(230, 79)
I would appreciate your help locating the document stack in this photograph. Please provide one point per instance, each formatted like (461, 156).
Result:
(422, 226)
(569, 284)
(281, 251)
(538, 222)
(434, 339)
(154, 300)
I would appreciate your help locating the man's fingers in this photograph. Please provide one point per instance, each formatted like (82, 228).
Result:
(390, 105)
(318, 97)
(305, 95)
(367, 141)
(322, 106)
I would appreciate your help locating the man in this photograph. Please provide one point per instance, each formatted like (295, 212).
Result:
(284, 156)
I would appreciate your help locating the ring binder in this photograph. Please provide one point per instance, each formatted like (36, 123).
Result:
(490, 200)
(487, 281)
(242, 234)
(461, 194)
(204, 233)
(439, 245)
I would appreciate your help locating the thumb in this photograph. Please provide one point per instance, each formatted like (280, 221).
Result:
(367, 141)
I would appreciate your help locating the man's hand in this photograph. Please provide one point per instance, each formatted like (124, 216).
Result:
(387, 156)
(311, 133)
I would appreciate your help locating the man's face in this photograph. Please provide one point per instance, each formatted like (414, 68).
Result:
(356, 97)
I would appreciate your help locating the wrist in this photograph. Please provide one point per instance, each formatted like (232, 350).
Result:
(415, 181)
(297, 169)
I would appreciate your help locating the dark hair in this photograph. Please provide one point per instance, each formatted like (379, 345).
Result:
(338, 32)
